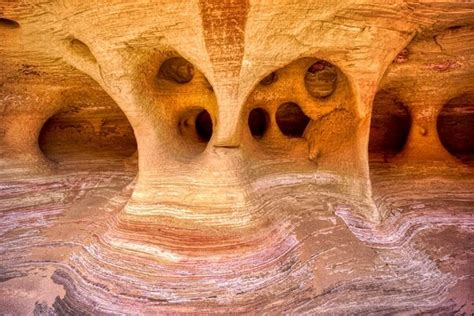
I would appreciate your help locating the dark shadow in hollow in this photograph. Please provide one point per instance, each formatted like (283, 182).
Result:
(9, 24)
(321, 79)
(204, 125)
(176, 69)
(87, 135)
(455, 127)
(291, 120)
(258, 122)
(389, 127)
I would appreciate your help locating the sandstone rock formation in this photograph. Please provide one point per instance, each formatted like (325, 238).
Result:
(236, 156)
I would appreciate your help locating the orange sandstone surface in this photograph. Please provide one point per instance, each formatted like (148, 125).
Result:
(236, 157)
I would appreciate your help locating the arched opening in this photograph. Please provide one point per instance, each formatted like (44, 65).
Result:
(258, 122)
(389, 126)
(321, 79)
(455, 127)
(291, 120)
(85, 134)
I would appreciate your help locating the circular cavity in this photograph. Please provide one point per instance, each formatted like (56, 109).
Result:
(321, 79)
(455, 127)
(203, 125)
(291, 120)
(258, 122)
(9, 24)
(176, 69)
(390, 125)
(455, 27)
(268, 80)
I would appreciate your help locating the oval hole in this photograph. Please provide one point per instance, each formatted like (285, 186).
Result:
(390, 125)
(291, 119)
(204, 125)
(176, 69)
(87, 135)
(258, 122)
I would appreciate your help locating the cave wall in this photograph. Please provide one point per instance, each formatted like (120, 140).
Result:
(236, 156)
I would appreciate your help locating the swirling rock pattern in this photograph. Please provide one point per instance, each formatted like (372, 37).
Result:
(145, 166)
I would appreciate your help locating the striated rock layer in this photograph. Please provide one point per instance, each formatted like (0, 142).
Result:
(277, 157)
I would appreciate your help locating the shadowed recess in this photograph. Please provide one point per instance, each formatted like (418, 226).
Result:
(87, 132)
(291, 119)
(176, 69)
(456, 127)
(204, 125)
(321, 79)
(195, 128)
(252, 190)
(389, 126)
(258, 122)
(80, 49)
(269, 79)
(9, 24)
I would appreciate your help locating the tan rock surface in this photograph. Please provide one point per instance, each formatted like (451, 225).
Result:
(236, 157)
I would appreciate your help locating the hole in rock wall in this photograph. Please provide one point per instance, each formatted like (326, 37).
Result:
(187, 101)
(456, 127)
(80, 49)
(176, 69)
(258, 122)
(390, 125)
(204, 125)
(195, 128)
(291, 120)
(86, 133)
(8, 24)
(268, 80)
(321, 79)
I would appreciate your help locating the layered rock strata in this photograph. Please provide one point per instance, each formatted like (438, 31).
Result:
(236, 157)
